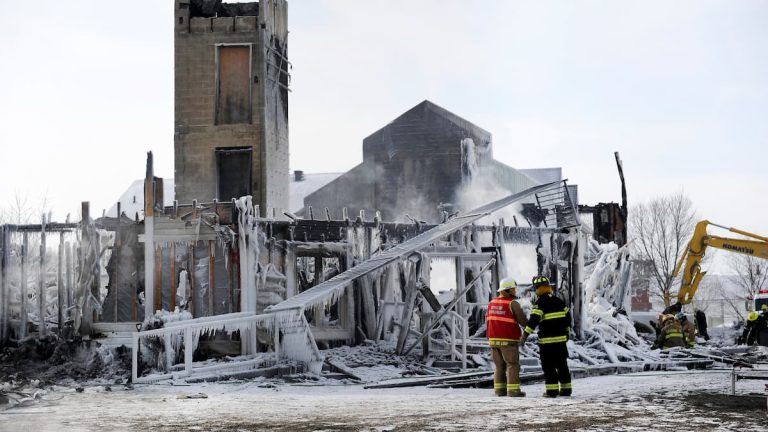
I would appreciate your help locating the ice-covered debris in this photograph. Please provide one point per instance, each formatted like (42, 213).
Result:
(609, 274)
(162, 317)
(192, 396)
(609, 334)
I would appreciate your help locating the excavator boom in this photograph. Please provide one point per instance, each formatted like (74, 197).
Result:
(689, 265)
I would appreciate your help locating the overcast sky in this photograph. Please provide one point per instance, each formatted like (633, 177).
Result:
(680, 89)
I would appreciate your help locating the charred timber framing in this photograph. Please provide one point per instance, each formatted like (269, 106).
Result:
(37, 257)
(354, 278)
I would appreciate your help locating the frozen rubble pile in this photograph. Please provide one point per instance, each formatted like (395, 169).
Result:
(609, 334)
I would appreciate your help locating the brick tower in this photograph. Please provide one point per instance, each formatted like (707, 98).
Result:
(231, 101)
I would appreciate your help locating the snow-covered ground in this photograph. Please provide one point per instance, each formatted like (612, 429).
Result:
(679, 401)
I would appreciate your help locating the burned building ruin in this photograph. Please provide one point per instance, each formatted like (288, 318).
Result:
(223, 271)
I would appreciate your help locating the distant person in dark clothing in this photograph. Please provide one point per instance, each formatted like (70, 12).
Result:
(673, 309)
(701, 323)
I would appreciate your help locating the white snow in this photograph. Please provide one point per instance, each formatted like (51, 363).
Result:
(645, 401)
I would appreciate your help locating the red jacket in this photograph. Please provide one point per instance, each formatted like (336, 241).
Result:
(502, 327)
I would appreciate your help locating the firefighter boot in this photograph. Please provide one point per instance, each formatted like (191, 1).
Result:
(565, 389)
(552, 390)
(513, 390)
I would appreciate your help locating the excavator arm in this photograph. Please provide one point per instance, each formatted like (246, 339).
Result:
(689, 265)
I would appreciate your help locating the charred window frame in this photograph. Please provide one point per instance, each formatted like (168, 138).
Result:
(224, 112)
(234, 172)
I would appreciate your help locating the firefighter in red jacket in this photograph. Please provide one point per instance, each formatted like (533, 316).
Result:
(554, 321)
(504, 320)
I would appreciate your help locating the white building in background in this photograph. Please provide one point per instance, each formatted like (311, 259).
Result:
(722, 299)
(132, 200)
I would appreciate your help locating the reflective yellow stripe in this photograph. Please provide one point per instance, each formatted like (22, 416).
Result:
(565, 385)
(498, 386)
(551, 387)
(513, 386)
(528, 330)
(553, 315)
(495, 318)
(538, 312)
(553, 339)
(502, 342)
(674, 334)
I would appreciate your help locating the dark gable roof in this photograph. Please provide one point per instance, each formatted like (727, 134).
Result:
(442, 112)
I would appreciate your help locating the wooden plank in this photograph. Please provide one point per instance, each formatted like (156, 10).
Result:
(24, 289)
(210, 278)
(368, 306)
(4, 286)
(230, 280)
(41, 294)
(70, 274)
(172, 257)
(158, 281)
(420, 381)
(191, 266)
(116, 258)
(97, 277)
(61, 290)
(149, 241)
(410, 299)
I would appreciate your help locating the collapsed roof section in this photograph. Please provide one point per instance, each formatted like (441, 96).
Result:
(325, 290)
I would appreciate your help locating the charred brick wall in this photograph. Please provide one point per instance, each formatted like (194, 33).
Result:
(210, 114)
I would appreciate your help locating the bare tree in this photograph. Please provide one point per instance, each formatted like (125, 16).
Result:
(752, 276)
(19, 211)
(22, 211)
(708, 294)
(661, 230)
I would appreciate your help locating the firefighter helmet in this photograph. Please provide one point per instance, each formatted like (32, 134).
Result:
(752, 316)
(540, 280)
(507, 284)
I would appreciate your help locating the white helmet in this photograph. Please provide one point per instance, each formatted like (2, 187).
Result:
(506, 284)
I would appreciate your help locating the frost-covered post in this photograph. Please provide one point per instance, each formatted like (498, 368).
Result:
(459, 262)
(579, 318)
(41, 300)
(61, 292)
(24, 258)
(249, 258)
(86, 273)
(4, 286)
(70, 272)
(149, 240)
(410, 299)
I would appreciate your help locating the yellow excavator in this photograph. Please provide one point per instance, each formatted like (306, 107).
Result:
(689, 265)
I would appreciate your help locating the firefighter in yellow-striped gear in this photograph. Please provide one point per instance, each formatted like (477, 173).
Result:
(504, 320)
(671, 334)
(553, 319)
